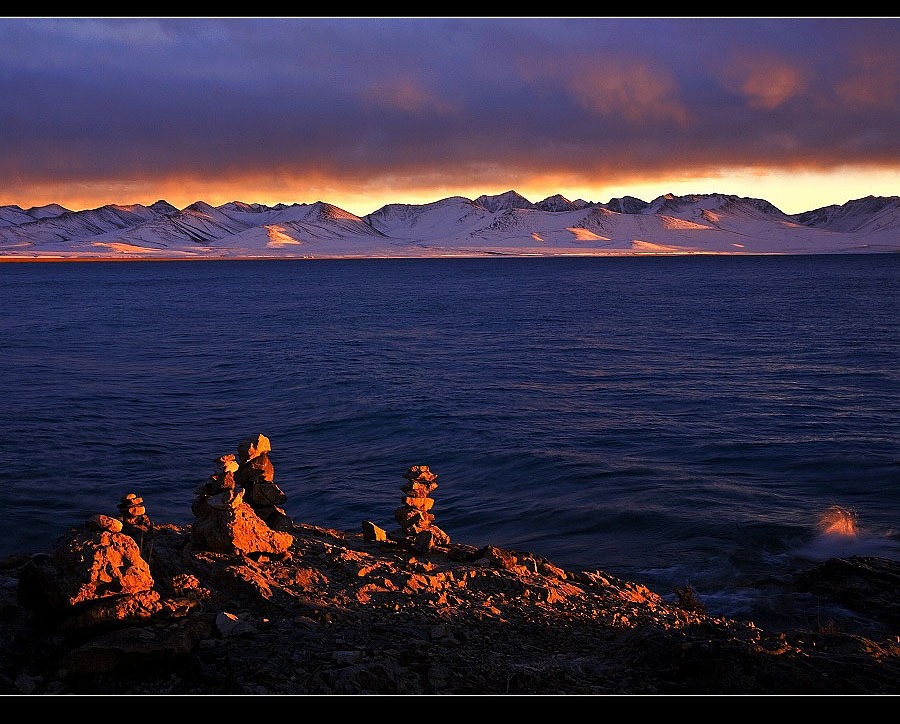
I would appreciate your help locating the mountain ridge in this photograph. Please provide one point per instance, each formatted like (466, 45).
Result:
(506, 223)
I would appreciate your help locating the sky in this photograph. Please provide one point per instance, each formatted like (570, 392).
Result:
(363, 112)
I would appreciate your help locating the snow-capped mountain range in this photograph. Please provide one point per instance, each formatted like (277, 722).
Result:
(505, 223)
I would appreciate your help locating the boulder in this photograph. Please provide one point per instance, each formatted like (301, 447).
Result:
(104, 522)
(235, 528)
(499, 558)
(85, 566)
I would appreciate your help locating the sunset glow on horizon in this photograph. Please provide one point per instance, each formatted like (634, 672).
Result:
(791, 192)
(360, 113)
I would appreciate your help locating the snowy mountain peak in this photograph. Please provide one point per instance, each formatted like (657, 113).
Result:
(162, 207)
(555, 203)
(695, 204)
(244, 207)
(201, 207)
(507, 200)
(46, 212)
(626, 205)
(324, 210)
(871, 213)
(13, 215)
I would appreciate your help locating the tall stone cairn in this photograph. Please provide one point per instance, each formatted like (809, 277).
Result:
(415, 520)
(256, 475)
(225, 523)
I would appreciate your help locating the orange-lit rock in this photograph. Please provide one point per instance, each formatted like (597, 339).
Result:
(226, 464)
(186, 585)
(372, 532)
(86, 566)
(231, 526)
(419, 474)
(419, 503)
(264, 495)
(253, 446)
(258, 468)
(430, 538)
(419, 490)
(103, 522)
(499, 558)
(408, 518)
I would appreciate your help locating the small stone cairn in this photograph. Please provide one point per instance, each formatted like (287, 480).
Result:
(133, 513)
(256, 475)
(416, 522)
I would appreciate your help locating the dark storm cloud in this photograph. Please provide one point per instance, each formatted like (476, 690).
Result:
(98, 100)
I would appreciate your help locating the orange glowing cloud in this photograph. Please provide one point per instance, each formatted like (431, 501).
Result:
(636, 91)
(766, 81)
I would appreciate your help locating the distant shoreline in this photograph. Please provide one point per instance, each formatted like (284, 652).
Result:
(484, 255)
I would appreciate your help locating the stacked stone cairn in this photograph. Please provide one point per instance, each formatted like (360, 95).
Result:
(416, 522)
(226, 524)
(133, 513)
(257, 476)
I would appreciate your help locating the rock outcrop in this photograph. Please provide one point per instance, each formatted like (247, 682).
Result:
(226, 524)
(92, 575)
(416, 522)
(223, 608)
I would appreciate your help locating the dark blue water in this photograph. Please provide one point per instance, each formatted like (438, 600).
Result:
(670, 419)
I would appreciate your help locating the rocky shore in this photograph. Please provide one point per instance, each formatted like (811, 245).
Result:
(248, 601)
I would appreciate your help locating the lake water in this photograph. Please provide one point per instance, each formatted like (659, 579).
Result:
(674, 420)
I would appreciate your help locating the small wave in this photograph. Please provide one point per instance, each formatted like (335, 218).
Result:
(841, 536)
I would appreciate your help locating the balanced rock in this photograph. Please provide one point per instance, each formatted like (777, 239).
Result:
(225, 523)
(253, 446)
